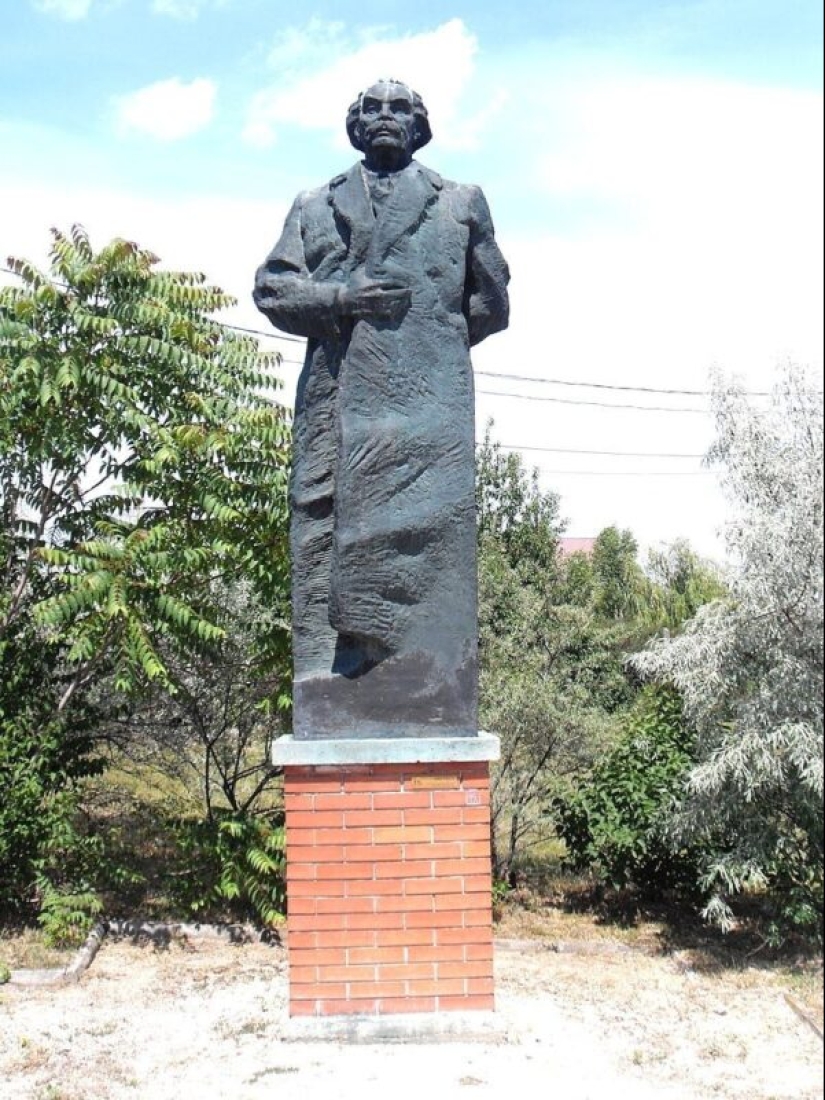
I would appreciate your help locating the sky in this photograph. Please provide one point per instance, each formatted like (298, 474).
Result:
(654, 170)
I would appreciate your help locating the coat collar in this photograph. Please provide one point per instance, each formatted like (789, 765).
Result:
(371, 238)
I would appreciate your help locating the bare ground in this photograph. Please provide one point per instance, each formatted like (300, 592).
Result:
(603, 1017)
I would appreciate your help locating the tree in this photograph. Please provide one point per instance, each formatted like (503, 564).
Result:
(142, 457)
(618, 579)
(545, 667)
(749, 666)
(614, 821)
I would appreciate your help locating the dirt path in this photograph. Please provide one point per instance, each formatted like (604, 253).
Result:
(208, 1021)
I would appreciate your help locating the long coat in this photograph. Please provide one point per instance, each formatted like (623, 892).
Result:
(382, 492)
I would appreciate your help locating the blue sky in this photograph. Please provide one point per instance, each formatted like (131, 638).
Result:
(654, 171)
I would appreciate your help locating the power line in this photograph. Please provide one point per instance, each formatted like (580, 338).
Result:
(606, 386)
(594, 404)
(613, 454)
(626, 473)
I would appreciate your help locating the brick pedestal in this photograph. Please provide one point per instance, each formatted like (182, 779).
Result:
(388, 887)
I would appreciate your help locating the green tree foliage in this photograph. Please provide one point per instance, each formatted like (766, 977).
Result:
(750, 666)
(142, 456)
(546, 667)
(615, 822)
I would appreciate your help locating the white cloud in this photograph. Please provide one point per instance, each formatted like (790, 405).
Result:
(64, 9)
(439, 64)
(184, 9)
(167, 110)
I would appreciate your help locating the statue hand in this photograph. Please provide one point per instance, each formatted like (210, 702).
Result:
(374, 299)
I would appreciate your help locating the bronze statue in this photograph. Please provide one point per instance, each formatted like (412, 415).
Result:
(392, 273)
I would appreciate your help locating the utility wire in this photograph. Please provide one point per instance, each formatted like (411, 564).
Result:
(594, 404)
(613, 454)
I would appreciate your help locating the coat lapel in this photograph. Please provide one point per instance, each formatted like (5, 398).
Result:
(349, 199)
(415, 190)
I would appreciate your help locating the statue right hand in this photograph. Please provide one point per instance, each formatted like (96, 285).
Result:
(374, 299)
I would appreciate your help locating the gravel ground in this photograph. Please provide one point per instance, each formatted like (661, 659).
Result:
(208, 1020)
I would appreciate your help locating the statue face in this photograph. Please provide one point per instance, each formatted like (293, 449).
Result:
(387, 125)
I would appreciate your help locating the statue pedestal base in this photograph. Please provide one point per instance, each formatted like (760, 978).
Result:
(388, 875)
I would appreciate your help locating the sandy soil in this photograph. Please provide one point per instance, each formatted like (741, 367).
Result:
(208, 1020)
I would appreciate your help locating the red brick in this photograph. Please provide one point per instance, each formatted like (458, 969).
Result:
(409, 937)
(405, 904)
(348, 938)
(436, 988)
(319, 956)
(298, 888)
(458, 798)
(301, 922)
(403, 869)
(404, 834)
(453, 953)
(476, 849)
(461, 935)
(345, 905)
(464, 970)
(475, 884)
(313, 819)
(313, 854)
(464, 867)
(407, 1004)
(378, 989)
(377, 955)
(300, 905)
(377, 921)
(349, 872)
(312, 783)
(348, 974)
(402, 800)
(298, 803)
(310, 991)
(464, 833)
(385, 887)
(434, 886)
(298, 869)
(430, 920)
(373, 818)
(480, 917)
(475, 951)
(303, 1008)
(371, 784)
(345, 802)
(360, 853)
(340, 1007)
(475, 815)
(429, 816)
(406, 972)
(462, 901)
(482, 985)
(302, 975)
(466, 1004)
(301, 939)
(432, 851)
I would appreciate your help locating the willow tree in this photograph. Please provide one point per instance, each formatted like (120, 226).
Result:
(142, 457)
(749, 666)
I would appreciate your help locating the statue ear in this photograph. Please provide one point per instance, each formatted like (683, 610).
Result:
(354, 126)
(422, 133)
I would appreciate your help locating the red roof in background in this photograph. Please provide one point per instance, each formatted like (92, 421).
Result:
(576, 546)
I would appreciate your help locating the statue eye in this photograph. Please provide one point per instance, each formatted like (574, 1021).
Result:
(401, 107)
(370, 107)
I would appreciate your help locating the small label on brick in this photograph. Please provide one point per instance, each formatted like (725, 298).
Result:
(433, 782)
(473, 797)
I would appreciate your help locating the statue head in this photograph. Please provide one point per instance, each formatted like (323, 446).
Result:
(388, 123)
